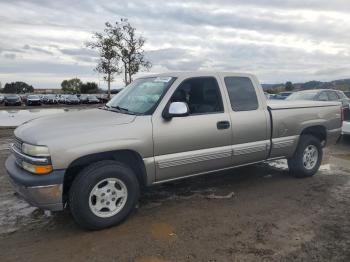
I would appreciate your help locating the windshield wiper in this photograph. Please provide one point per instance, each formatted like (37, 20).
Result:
(124, 110)
(120, 108)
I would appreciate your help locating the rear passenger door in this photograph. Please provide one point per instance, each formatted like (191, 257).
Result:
(249, 119)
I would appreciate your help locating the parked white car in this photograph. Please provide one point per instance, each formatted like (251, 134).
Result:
(346, 123)
(346, 128)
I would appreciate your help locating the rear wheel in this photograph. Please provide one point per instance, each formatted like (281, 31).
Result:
(103, 195)
(307, 157)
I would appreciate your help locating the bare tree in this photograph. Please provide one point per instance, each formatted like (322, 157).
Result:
(105, 43)
(130, 49)
(120, 50)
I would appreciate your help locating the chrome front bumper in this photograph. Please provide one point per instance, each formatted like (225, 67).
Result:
(44, 197)
(43, 191)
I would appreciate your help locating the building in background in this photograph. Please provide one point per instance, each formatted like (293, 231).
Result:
(47, 91)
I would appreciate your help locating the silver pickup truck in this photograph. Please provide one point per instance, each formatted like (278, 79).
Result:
(158, 129)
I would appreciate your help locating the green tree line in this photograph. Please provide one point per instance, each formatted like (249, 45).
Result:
(76, 86)
(17, 88)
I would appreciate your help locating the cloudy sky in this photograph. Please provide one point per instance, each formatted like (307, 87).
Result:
(42, 42)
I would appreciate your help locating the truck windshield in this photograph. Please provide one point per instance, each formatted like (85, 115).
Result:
(142, 96)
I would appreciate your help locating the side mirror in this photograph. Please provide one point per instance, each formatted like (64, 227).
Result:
(176, 109)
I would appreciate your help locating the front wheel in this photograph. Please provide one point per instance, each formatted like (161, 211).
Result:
(307, 157)
(103, 195)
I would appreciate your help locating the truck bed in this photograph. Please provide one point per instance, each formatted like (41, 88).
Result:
(285, 104)
(289, 119)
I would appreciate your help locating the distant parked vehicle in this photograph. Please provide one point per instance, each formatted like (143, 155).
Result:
(13, 100)
(268, 96)
(285, 94)
(50, 99)
(41, 97)
(281, 96)
(23, 98)
(103, 98)
(33, 100)
(72, 100)
(347, 93)
(92, 99)
(346, 123)
(83, 99)
(62, 99)
(321, 95)
(1, 99)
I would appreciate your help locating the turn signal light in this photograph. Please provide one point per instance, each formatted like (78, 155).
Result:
(37, 169)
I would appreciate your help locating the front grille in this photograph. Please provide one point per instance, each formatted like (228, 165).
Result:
(18, 144)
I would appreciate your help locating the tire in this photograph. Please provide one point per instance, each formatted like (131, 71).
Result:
(306, 167)
(82, 201)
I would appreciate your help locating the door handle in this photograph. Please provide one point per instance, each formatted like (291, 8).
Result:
(223, 124)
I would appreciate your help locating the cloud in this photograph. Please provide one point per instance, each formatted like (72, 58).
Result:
(44, 68)
(278, 40)
(37, 49)
(10, 56)
(175, 59)
(79, 52)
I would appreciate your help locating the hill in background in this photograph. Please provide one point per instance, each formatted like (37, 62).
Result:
(343, 84)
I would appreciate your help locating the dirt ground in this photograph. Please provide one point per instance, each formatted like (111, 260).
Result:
(256, 213)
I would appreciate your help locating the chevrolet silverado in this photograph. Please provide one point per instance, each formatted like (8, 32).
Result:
(158, 129)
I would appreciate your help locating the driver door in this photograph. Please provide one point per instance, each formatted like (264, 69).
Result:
(199, 142)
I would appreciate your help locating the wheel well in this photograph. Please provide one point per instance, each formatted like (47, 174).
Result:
(316, 131)
(128, 157)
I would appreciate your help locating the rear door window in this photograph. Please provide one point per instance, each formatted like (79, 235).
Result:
(242, 93)
(323, 96)
(333, 96)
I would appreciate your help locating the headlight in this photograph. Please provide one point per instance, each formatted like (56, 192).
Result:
(35, 150)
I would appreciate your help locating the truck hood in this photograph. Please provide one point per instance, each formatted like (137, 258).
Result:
(68, 124)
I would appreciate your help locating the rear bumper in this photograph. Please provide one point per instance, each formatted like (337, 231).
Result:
(346, 128)
(43, 191)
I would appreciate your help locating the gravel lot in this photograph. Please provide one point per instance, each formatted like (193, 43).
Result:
(256, 213)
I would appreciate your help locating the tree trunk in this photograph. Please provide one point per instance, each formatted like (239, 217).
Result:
(125, 75)
(129, 77)
(109, 87)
